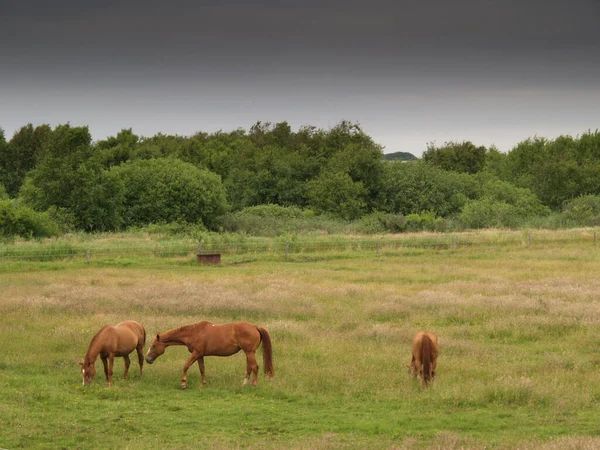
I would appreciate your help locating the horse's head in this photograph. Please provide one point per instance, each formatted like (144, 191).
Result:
(88, 371)
(156, 349)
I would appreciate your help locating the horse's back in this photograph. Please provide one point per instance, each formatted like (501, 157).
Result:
(134, 327)
(418, 342)
(229, 338)
(130, 335)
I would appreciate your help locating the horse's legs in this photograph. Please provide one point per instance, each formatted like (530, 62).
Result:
(140, 353)
(418, 368)
(105, 364)
(111, 362)
(201, 366)
(251, 367)
(191, 361)
(413, 367)
(127, 363)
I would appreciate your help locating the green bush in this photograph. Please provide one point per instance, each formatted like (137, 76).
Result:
(380, 222)
(169, 190)
(584, 210)
(525, 201)
(413, 222)
(413, 187)
(25, 222)
(489, 213)
(338, 194)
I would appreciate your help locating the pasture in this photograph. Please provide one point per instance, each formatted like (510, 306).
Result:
(518, 328)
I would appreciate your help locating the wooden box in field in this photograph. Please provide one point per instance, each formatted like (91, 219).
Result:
(209, 258)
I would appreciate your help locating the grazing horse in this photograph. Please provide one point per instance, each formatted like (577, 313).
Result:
(110, 341)
(207, 339)
(425, 351)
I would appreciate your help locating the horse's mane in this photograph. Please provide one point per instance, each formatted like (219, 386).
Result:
(187, 327)
(95, 338)
(183, 329)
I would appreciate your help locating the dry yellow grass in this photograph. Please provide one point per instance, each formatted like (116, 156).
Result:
(517, 326)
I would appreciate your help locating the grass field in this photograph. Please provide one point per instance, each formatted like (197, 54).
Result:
(519, 363)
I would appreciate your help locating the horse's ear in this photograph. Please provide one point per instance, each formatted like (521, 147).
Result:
(80, 363)
(157, 337)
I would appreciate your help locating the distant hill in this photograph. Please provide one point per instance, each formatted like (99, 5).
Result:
(402, 156)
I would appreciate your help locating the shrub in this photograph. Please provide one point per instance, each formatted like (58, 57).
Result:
(489, 213)
(169, 190)
(380, 222)
(584, 210)
(24, 222)
(413, 187)
(338, 194)
(526, 202)
(413, 222)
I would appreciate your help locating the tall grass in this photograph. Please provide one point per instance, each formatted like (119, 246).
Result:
(517, 324)
(161, 243)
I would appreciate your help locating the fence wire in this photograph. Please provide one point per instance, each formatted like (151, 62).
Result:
(293, 246)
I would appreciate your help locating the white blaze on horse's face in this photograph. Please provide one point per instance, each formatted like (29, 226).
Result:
(156, 349)
(88, 371)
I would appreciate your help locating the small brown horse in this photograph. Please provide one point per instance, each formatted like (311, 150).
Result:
(425, 351)
(207, 339)
(110, 341)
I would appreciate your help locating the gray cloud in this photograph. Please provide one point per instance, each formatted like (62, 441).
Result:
(410, 72)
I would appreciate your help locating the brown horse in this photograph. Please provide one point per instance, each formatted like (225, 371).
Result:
(207, 339)
(425, 351)
(111, 341)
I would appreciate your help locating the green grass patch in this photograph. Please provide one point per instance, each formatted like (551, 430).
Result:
(518, 364)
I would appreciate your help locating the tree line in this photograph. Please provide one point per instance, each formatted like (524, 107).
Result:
(57, 179)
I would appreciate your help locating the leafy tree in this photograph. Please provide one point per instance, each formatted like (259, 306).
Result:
(496, 163)
(362, 162)
(117, 149)
(338, 194)
(558, 170)
(21, 155)
(270, 175)
(464, 157)
(69, 178)
(3, 157)
(169, 190)
(158, 146)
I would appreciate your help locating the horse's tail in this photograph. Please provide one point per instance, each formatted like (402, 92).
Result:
(267, 351)
(426, 355)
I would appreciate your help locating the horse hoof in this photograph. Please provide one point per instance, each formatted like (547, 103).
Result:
(184, 386)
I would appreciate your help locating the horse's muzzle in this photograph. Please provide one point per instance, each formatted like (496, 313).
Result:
(149, 360)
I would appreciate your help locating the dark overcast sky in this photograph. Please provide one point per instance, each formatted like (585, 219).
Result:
(410, 72)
